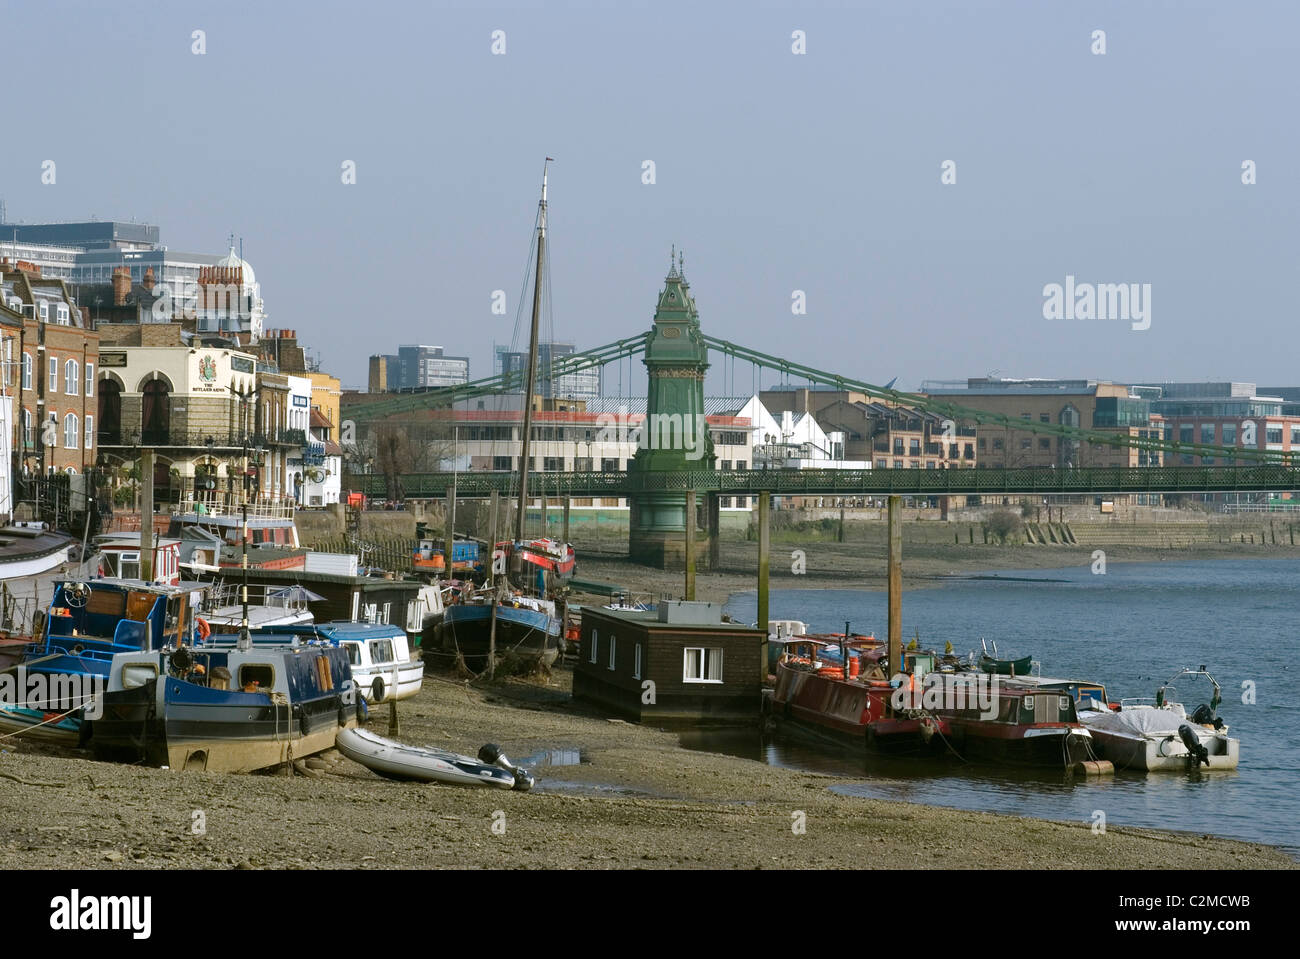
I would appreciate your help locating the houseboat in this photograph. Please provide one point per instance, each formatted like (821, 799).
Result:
(223, 706)
(1024, 725)
(88, 623)
(268, 605)
(120, 557)
(813, 691)
(383, 668)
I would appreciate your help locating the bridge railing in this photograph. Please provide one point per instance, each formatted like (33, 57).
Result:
(907, 482)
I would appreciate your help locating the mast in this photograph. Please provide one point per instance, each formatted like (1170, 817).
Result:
(532, 362)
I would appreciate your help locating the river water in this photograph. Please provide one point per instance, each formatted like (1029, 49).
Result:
(1130, 628)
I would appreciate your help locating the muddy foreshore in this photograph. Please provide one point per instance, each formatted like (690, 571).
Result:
(637, 800)
(862, 566)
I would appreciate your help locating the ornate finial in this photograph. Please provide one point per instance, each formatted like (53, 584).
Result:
(681, 264)
(672, 260)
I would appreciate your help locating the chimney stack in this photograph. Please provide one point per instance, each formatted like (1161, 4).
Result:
(121, 285)
(148, 280)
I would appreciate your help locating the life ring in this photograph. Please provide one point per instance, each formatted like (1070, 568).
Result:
(204, 629)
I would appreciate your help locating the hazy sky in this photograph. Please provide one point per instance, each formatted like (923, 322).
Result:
(774, 171)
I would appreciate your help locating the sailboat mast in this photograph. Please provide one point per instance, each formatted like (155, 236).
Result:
(530, 384)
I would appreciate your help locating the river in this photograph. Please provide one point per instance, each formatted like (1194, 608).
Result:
(1130, 628)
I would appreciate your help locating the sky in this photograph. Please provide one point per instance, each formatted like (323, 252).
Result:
(774, 171)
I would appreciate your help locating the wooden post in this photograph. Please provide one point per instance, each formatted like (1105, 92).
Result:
(713, 508)
(764, 558)
(895, 584)
(394, 727)
(146, 514)
(689, 593)
(451, 529)
(564, 530)
(839, 538)
(494, 507)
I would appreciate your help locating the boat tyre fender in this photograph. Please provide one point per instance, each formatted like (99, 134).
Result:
(362, 714)
(377, 690)
(304, 720)
(343, 712)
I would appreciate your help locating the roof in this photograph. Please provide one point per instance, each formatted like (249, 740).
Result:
(338, 630)
(649, 619)
(319, 420)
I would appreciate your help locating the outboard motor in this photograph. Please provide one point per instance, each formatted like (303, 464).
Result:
(1204, 715)
(1194, 748)
(491, 754)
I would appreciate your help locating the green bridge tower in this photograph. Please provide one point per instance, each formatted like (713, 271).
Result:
(674, 435)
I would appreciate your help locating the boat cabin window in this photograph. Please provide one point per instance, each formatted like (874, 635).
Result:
(381, 650)
(595, 642)
(254, 677)
(135, 675)
(354, 653)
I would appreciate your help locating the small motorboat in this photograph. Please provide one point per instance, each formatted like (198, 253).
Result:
(1157, 734)
(395, 760)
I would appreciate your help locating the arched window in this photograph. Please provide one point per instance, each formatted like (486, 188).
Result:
(155, 414)
(110, 413)
(72, 377)
(71, 431)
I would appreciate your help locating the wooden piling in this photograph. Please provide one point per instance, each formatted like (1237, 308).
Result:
(895, 584)
(146, 514)
(451, 528)
(764, 559)
(689, 590)
(494, 509)
(713, 508)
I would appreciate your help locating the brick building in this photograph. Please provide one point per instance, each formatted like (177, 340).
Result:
(49, 360)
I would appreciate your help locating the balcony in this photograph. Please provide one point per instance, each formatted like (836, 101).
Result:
(178, 439)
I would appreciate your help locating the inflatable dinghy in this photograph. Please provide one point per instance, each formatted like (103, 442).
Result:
(426, 764)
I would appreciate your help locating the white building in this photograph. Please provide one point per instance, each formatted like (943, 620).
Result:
(795, 441)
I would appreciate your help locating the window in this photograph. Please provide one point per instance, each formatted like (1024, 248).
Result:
(595, 642)
(1045, 444)
(90, 431)
(1207, 434)
(90, 379)
(63, 315)
(27, 371)
(70, 430)
(45, 311)
(1229, 434)
(636, 663)
(53, 385)
(701, 665)
(613, 646)
(71, 377)
(997, 444)
(28, 439)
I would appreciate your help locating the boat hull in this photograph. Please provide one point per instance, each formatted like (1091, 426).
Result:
(194, 729)
(526, 632)
(1060, 746)
(395, 760)
(410, 679)
(851, 711)
(1166, 754)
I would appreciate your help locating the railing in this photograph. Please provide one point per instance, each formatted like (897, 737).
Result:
(226, 442)
(916, 482)
(1261, 507)
(221, 504)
